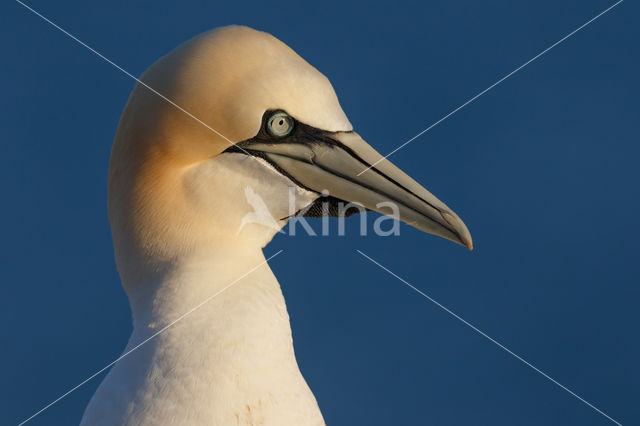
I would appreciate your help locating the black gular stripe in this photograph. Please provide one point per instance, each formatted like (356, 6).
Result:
(308, 135)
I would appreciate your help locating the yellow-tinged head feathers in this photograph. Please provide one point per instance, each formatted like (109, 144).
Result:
(171, 193)
(226, 78)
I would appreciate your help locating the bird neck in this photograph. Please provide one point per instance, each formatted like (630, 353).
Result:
(218, 349)
(199, 282)
(222, 303)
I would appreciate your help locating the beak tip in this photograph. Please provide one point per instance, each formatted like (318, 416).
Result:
(464, 236)
(465, 239)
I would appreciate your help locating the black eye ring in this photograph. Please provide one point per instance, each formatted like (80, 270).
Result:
(280, 124)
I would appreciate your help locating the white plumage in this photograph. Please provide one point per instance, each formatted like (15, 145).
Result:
(181, 205)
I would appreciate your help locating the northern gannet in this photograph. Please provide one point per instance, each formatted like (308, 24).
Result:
(178, 194)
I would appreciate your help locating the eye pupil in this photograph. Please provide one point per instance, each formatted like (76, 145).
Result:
(280, 124)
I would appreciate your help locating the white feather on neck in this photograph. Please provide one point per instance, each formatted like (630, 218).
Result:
(231, 361)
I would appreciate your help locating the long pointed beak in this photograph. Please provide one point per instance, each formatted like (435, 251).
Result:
(335, 163)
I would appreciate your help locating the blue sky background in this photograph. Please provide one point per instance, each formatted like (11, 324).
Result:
(543, 169)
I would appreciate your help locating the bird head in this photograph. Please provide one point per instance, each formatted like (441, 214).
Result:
(236, 108)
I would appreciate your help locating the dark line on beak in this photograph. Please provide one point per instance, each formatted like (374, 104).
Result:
(353, 154)
(370, 188)
(264, 156)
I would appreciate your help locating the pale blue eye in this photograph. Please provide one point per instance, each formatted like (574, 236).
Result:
(280, 124)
